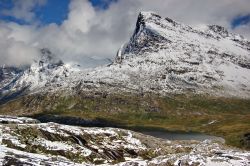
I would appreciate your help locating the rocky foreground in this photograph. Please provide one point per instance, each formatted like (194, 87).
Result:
(26, 141)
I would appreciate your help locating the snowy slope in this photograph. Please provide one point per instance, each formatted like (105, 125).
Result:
(46, 71)
(166, 56)
(8, 74)
(162, 56)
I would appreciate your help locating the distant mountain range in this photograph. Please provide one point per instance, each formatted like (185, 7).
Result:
(162, 56)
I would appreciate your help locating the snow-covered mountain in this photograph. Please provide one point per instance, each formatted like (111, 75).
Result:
(162, 56)
(48, 69)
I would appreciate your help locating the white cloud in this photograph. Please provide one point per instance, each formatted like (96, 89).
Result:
(80, 17)
(244, 30)
(89, 32)
(16, 53)
(16, 44)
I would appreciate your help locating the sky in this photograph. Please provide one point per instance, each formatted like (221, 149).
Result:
(91, 31)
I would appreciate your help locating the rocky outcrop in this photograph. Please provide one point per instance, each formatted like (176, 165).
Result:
(24, 141)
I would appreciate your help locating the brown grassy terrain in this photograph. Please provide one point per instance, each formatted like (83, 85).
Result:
(225, 117)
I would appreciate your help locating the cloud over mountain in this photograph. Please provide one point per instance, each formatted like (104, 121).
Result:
(97, 33)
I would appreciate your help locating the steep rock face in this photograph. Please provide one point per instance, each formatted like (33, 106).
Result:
(153, 31)
(145, 39)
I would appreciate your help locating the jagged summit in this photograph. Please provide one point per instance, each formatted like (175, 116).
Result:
(48, 58)
(151, 31)
(145, 17)
(47, 63)
(219, 30)
(144, 35)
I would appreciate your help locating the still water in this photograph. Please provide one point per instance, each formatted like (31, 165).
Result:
(180, 135)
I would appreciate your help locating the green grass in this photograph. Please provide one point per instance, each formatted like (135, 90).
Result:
(179, 112)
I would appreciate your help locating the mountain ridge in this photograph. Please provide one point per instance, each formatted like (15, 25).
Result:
(162, 56)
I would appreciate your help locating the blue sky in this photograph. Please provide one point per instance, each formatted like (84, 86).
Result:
(103, 4)
(54, 11)
(240, 20)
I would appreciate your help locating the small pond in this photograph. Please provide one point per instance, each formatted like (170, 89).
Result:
(156, 132)
(172, 135)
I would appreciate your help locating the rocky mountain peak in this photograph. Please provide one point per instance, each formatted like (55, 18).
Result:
(145, 36)
(189, 57)
(44, 71)
(219, 30)
(49, 59)
(145, 17)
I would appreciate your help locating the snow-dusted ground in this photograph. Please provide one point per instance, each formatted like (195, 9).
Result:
(16, 120)
(55, 144)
